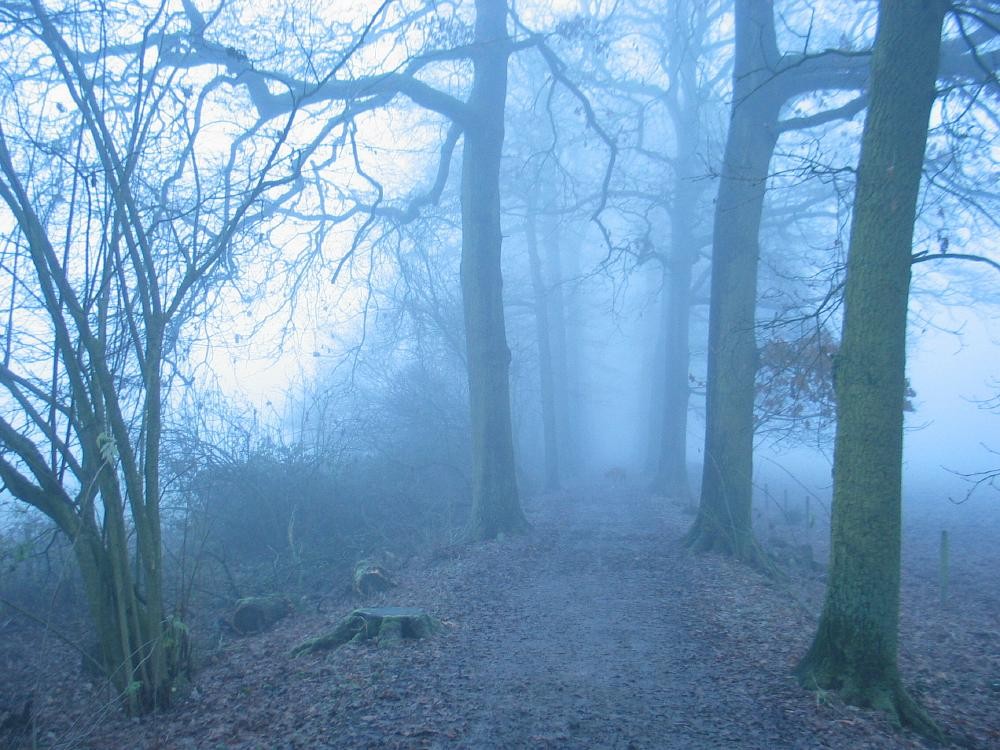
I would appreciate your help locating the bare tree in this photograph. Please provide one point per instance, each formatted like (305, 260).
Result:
(687, 102)
(126, 198)
(477, 119)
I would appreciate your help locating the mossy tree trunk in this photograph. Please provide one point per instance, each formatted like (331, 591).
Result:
(496, 507)
(764, 79)
(724, 522)
(854, 651)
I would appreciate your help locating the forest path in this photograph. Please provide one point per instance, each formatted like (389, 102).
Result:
(589, 647)
(596, 629)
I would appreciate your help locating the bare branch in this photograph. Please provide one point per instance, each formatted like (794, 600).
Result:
(926, 255)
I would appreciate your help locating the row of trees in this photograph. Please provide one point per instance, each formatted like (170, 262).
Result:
(854, 651)
(146, 157)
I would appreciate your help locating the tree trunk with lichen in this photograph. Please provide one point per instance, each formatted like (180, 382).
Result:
(496, 507)
(855, 648)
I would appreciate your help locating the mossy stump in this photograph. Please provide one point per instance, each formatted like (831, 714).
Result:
(387, 625)
(255, 614)
(371, 577)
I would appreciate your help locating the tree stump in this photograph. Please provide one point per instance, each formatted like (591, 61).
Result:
(255, 614)
(370, 577)
(177, 648)
(387, 625)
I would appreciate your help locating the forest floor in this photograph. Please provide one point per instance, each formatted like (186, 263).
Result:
(595, 630)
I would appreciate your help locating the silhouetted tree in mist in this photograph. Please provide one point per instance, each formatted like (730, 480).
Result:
(763, 81)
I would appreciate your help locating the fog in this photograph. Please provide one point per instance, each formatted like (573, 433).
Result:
(491, 312)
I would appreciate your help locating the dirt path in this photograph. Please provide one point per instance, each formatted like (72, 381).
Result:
(596, 630)
(587, 649)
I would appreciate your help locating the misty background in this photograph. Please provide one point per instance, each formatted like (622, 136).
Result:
(261, 270)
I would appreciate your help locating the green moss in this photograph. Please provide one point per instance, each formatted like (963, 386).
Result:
(387, 625)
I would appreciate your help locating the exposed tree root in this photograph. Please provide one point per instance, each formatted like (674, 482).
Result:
(484, 530)
(726, 541)
(822, 669)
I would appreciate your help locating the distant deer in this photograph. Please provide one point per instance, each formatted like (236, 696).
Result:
(616, 475)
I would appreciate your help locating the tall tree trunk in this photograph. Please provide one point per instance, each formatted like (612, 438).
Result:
(854, 651)
(564, 377)
(724, 520)
(496, 507)
(656, 366)
(550, 440)
(670, 477)
(685, 100)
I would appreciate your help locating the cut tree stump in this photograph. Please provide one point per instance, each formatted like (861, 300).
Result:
(255, 614)
(388, 625)
(370, 577)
